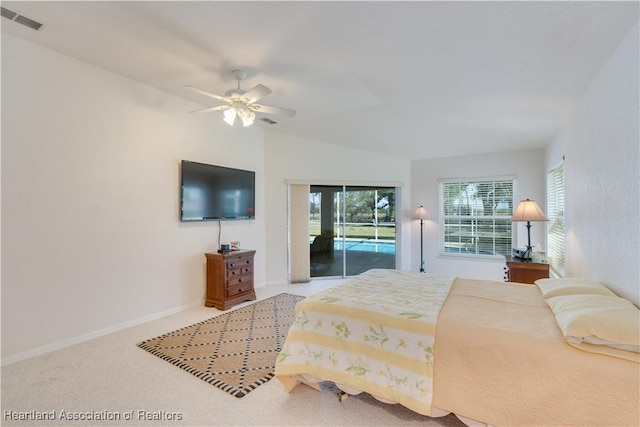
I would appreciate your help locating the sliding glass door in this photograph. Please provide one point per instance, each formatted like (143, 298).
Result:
(352, 229)
(324, 217)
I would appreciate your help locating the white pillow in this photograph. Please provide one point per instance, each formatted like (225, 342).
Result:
(571, 286)
(597, 341)
(599, 323)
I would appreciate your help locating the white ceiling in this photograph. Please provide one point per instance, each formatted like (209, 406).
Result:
(411, 79)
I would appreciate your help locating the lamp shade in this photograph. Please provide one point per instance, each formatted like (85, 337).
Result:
(528, 210)
(421, 213)
(230, 116)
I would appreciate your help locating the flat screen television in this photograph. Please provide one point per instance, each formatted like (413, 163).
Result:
(210, 192)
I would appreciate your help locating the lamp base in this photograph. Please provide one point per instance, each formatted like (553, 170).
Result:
(521, 253)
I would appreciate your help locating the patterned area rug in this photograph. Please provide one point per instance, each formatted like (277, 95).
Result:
(235, 351)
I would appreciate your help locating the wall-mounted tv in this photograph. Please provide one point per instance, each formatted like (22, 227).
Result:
(210, 192)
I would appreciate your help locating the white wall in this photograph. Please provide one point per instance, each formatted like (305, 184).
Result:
(526, 166)
(91, 238)
(602, 184)
(289, 158)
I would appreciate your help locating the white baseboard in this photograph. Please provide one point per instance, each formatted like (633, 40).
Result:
(95, 334)
(276, 283)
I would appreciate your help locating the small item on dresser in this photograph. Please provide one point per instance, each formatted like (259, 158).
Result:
(235, 245)
(538, 254)
(224, 249)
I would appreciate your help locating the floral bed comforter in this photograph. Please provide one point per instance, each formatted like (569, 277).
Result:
(373, 333)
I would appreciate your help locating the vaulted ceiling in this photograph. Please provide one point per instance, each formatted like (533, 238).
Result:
(411, 79)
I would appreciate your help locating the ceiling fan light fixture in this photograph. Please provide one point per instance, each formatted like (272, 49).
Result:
(241, 103)
(230, 116)
(247, 117)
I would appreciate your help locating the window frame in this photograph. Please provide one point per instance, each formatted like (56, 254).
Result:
(442, 182)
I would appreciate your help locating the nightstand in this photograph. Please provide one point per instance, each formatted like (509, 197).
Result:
(526, 271)
(229, 278)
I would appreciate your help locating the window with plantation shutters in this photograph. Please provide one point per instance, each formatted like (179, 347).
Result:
(555, 213)
(475, 216)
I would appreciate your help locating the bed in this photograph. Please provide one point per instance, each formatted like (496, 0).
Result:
(491, 352)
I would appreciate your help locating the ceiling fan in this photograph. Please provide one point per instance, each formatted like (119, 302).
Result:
(239, 103)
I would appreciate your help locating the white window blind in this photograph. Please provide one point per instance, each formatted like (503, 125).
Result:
(555, 213)
(299, 264)
(475, 216)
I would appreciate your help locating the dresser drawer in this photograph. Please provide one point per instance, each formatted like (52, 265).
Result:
(526, 271)
(233, 273)
(239, 289)
(240, 279)
(239, 262)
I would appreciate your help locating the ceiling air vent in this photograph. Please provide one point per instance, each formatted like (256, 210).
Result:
(20, 19)
(9, 14)
(268, 121)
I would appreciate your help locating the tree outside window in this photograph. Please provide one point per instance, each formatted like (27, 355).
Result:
(476, 216)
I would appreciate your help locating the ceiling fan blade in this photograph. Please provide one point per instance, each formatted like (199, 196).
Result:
(267, 109)
(207, 110)
(209, 94)
(257, 92)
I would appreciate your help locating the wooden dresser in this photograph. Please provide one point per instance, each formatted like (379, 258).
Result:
(229, 278)
(526, 271)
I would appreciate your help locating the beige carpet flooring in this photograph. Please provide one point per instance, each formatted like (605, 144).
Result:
(110, 377)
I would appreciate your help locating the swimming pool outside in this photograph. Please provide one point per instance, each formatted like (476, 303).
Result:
(379, 246)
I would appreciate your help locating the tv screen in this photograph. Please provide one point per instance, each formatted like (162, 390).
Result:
(211, 192)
